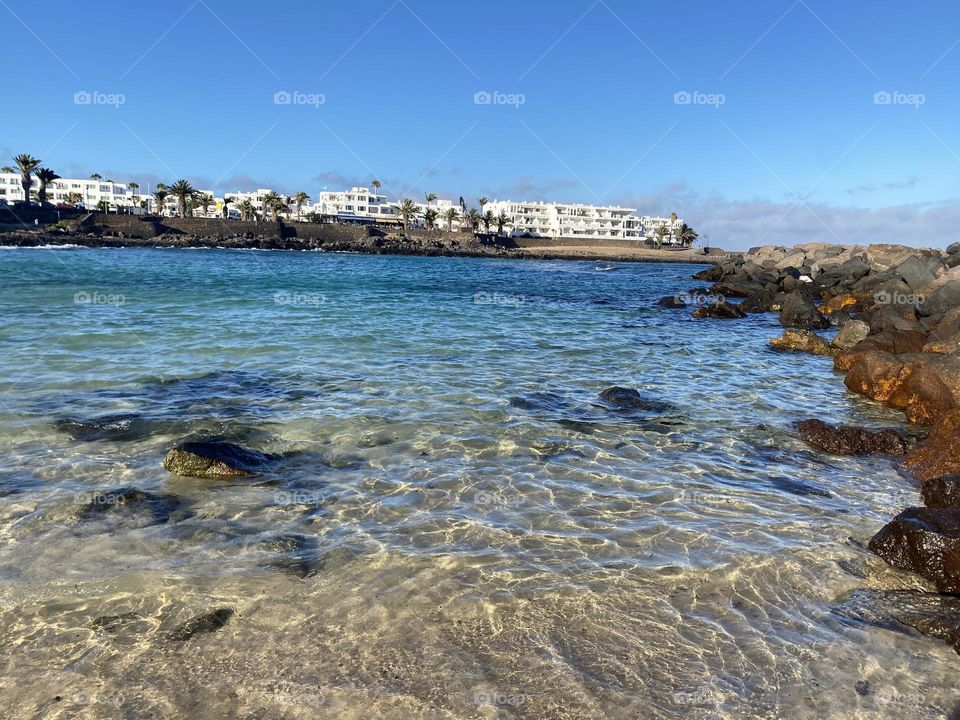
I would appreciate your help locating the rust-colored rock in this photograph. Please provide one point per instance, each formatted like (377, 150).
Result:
(844, 301)
(874, 374)
(847, 440)
(802, 341)
(939, 455)
(924, 395)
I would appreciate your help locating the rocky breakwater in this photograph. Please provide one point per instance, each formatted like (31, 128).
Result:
(898, 313)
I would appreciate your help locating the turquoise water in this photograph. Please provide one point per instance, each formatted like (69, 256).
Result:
(458, 527)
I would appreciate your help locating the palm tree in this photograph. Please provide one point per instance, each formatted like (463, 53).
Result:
(160, 196)
(430, 197)
(273, 204)
(204, 201)
(474, 218)
(502, 221)
(298, 200)
(407, 209)
(182, 190)
(44, 176)
(488, 220)
(96, 176)
(482, 201)
(247, 211)
(73, 198)
(451, 215)
(430, 218)
(134, 186)
(7, 169)
(376, 185)
(26, 164)
(225, 210)
(686, 235)
(660, 233)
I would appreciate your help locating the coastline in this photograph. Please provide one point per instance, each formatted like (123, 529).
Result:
(897, 311)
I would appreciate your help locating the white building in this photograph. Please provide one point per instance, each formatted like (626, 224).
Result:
(91, 191)
(355, 203)
(590, 222)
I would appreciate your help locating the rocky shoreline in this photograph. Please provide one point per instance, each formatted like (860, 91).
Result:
(369, 241)
(898, 313)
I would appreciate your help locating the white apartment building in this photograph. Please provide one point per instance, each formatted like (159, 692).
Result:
(92, 191)
(355, 203)
(590, 222)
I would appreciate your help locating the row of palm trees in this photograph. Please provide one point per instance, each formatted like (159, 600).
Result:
(408, 211)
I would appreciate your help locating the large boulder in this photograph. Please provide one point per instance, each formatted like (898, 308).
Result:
(847, 440)
(672, 302)
(939, 455)
(930, 390)
(874, 374)
(214, 460)
(918, 271)
(852, 332)
(802, 341)
(925, 541)
(797, 311)
(882, 256)
(720, 310)
(944, 298)
(895, 342)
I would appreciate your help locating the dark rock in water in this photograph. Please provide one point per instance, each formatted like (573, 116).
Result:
(764, 301)
(117, 428)
(294, 553)
(720, 311)
(847, 440)
(862, 688)
(925, 541)
(797, 311)
(587, 428)
(540, 401)
(672, 302)
(629, 399)
(942, 492)
(214, 460)
(711, 274)
(132, 501)
(206, 623)
(897, 610)
(798, 487)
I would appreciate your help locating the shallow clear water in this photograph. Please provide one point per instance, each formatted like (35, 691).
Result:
(458, 528)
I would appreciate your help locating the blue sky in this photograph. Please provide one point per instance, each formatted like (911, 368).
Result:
(783, 140)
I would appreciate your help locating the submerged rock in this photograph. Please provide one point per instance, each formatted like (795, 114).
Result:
(928, 613)
(130, 501)
(116, 428)
(214, 460)
(206, 623)
(720, 311)
(925, 541)
(672, 302)
(629, 399)
(802, 341)
(847, 440)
